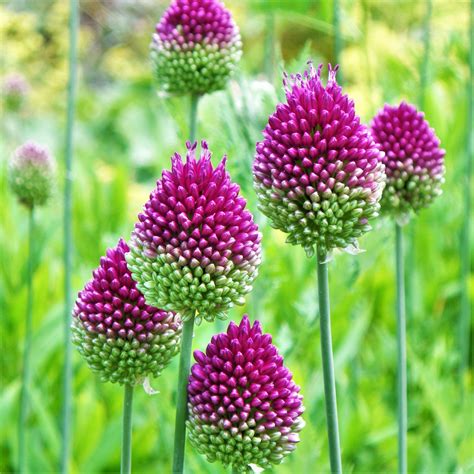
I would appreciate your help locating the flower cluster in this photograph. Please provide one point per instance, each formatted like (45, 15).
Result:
(196, 47)
(244, 407)
(414, 161)
(195, 248)
(318, 172)
(14, 90)
(121, 337)
(31, 174)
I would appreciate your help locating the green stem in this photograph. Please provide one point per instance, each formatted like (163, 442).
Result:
(464, 332)
(25, 379)
(328, 366)
(193, 113)
(337, 35)
(182, 397)
(401, 351)
(126, 462)
(71, 100)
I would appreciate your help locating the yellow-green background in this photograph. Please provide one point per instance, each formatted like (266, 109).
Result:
(125, 135)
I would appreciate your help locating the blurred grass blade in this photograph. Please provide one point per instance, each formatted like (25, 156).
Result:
(464, 331)
(269, 50)
(337, 36)
(411, 228)
(424, 72)
(71, 102)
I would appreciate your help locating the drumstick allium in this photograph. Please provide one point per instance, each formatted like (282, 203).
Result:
(196, 47)
(195, 248)
(121, 337)
(414, 160)
(31, 174)
(244, 407)
(318, 172)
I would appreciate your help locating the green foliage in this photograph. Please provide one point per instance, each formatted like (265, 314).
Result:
(125, 136)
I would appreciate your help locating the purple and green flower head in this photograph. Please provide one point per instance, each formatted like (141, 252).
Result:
(121, 337)
(15, 88)
(196, 47)
(318, 173)
(244, 407)
(195, 248)
(414, 160)
(31, 174)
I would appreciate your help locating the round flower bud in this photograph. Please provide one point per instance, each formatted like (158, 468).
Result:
(244, 408)
(122, 338)
(31, 174)
(196, 47)
(195, 248)
(14, 91)
(318, 173)
(414, 161)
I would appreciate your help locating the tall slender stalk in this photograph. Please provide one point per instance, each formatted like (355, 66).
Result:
(71, 102)
(126, 461)
(401, 352)
(182, 397)
(185, 354)
(328, 366)
(25, 377)
(464, 333)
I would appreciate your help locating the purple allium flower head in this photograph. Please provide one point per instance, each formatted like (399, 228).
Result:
(318, 173)
(196, 47)
(195, 248)
(244, 407)
(122, 338)
(414, 161)
(31, 174)
(14, 90)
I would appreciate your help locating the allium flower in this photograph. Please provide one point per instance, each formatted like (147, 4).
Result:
(195, 249)
(414, 161)
(244, 407)
(14, 90)
(196, 47)
(122, 338)
(318, 173)
(31, 174)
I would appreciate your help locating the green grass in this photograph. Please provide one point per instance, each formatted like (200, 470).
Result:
(125, 136)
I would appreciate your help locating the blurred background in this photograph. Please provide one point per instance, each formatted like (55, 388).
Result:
(125, 134)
